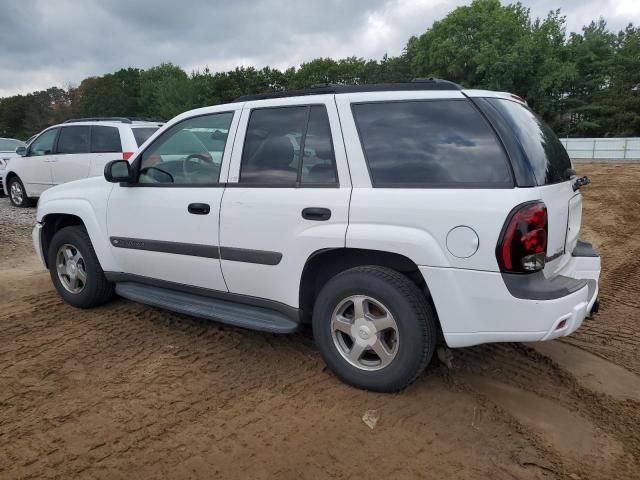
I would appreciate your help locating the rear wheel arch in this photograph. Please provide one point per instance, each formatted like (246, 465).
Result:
(325, 264)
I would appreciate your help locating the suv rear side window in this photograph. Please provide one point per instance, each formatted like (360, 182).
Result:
(142, 134)
(276, 140)
(548, 158)
(105, 139)
(74, 140)
(431, 143)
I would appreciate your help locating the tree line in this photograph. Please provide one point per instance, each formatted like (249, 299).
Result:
(582, 84)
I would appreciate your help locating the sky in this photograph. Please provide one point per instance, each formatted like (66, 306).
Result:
(47, 43)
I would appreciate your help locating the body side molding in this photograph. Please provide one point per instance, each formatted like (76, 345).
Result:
(261, 257)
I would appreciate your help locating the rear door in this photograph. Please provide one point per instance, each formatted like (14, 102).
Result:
(72, 159)
(287, 195)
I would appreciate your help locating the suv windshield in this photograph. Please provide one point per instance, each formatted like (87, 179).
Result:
(547, 156)
(142, 134)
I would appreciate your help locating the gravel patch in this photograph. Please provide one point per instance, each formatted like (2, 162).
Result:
(15, 230)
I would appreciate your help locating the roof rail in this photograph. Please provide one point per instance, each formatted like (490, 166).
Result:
(329, 88)
(99, 119)
(148, 119)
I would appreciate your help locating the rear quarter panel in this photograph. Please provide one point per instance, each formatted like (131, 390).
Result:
(415, 222)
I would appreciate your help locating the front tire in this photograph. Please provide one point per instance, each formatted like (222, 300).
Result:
(75, 270)
(17, 193)
(374, 328)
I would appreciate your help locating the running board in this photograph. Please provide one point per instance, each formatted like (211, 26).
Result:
(231, 313)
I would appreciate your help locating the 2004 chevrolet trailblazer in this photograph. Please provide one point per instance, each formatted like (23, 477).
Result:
(385, 215)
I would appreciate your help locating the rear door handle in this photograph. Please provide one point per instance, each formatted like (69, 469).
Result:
(199, 208)
(316, 213)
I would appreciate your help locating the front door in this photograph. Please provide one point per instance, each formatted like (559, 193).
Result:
(165, 226)
(35, 169)
(287, 197)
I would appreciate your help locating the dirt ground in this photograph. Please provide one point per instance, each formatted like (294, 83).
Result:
(129, 391)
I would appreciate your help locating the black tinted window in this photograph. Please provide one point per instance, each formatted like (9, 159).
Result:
(142, 134)
(74, 140)
(430, 143)
(269, 154)
(105, 139)
(318, 162)
(545, 152)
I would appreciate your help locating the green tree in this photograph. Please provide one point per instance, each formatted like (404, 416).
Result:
(165, 91)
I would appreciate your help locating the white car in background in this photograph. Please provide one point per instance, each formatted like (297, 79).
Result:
(76, 149)
(7, 152)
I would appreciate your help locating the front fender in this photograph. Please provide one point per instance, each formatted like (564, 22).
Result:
(94, 220)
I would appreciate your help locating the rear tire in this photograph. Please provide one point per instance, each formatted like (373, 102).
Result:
(17, 193)
(75, 270)
(374, 328)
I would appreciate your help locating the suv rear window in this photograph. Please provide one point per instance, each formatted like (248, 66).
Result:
(430, 143)
(548, 158)
(142, 134)
(105, 139)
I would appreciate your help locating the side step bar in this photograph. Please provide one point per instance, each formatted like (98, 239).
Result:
(231, 313)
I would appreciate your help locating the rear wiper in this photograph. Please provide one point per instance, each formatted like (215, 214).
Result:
(581, 182)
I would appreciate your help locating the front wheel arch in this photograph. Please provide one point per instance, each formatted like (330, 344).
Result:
(51, 224)
(12, 178)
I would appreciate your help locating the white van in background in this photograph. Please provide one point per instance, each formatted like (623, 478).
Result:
(76, 149)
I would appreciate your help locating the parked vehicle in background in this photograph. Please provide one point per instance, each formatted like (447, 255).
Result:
(384, 215)
(76, 149)
(8, 148)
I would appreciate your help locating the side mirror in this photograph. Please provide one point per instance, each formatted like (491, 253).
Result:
(117, 171)
(22, 151)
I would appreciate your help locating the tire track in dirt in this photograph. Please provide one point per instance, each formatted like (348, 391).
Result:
(127, 390)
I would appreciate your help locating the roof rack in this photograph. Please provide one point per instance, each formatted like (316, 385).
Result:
(328, 88)
(115, 119)
(99, 119)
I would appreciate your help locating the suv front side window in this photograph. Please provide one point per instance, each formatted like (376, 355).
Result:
(190, 152)
(43, 145)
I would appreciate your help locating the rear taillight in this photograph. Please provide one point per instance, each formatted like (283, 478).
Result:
(523, 243)
(126, 155)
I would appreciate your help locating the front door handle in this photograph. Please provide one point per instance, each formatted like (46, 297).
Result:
(316, 213)
(199, 208)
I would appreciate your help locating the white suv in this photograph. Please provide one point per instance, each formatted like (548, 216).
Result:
(76, 149)
(387, 216)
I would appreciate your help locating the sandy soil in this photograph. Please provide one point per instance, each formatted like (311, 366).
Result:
(129, 391)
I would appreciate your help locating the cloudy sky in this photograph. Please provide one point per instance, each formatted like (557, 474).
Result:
(60, 42)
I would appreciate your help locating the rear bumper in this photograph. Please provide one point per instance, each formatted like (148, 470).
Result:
(477, 307)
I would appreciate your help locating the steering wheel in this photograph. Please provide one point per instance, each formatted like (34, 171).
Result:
(203, 159)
